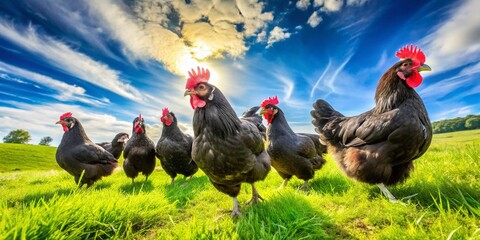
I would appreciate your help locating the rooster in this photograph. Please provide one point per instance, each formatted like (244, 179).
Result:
(116, 146)
(84, 160)
(292, 154)
(379, 146)
(139, 154)
(174, 148)
(229, 150)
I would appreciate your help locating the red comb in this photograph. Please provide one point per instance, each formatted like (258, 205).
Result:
(270, 100)
(139, 117)
(412, 52)
(202, 75)
(165, 111)
(65, 115)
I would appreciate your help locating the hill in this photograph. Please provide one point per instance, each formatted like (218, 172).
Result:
(439, 201)
(15, 157)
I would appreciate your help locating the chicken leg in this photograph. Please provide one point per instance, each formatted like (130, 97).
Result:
(387, 193)
(236, 208)
(284, 183)
(304, 186)
(255, 196)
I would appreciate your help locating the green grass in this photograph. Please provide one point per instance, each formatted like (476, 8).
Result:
(15, 157)
(45, 204)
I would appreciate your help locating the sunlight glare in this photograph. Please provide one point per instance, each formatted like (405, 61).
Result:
(201, 50)
(186, 62)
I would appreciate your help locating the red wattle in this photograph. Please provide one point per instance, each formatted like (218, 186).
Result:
(195, 101)
(414, 80)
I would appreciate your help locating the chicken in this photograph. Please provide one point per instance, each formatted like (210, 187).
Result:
(80, 157)
(251, 116)
(291, 154)
(379, 146)
(139, 154)
(174, 148)
(116, 146)
(229, 150)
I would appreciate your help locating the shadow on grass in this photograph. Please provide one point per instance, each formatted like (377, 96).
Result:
(101, 185)
(137, 187)
(45, 196)
(287, 216)
(183, 191)
(332, 184)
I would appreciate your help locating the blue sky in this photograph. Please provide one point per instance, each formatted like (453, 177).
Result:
(107, 61)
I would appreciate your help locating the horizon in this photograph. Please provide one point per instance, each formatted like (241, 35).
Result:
(107, 61)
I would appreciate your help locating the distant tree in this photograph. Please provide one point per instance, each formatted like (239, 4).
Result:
(457, 124)
(17, 136)
(45, 141)
(472, 123)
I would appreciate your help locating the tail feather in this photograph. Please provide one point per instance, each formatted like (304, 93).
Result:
(252, 116)
(322, 113)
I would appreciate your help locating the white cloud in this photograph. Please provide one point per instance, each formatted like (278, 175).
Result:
(40, 120)
(205, 29)
(454, 110)
(277, 34)
(314, 20)
(320, 79)
(455, 42)
(329, 5)
(65, 91)
(66, 59)
(255, 18)
(355, 2)
(303, 4)
(474, 69)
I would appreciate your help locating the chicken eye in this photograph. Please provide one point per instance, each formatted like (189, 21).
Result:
(201, 87)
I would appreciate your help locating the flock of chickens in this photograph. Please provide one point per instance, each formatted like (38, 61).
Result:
(376, 147)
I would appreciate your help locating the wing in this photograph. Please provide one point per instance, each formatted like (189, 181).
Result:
(320, 148)
(369, 128)
(91, 153)
(190, 142)
(252, 137)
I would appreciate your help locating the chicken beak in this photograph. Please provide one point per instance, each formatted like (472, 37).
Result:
(188, 92)
(424, 67)
(262, 111)
(59, 122)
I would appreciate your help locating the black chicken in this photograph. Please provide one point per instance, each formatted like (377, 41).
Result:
(174, 148)
(292, 154)
(228, 149)
(116, 146)
(379, 146)
(139, 154)
(83, 159)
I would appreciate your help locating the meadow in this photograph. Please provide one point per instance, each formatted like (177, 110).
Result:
(40, 201)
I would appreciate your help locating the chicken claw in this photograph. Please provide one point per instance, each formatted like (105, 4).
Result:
(255, 196)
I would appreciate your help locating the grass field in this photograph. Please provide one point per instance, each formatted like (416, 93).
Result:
(42, 202)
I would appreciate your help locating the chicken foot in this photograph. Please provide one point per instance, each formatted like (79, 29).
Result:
(304, 186)
(255, 196)
(387, 193)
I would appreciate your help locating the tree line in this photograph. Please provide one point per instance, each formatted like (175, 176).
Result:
(457, 124)
(22, 137)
